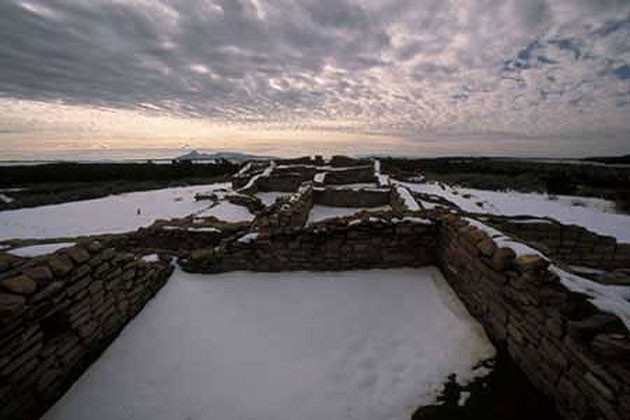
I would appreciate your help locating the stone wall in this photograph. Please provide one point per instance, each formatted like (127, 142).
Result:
(366, 197)
(339, 245)
(568, 348)
(571, 244)
(358, 174)
(402, 200)
(291, 211)
(57, 313)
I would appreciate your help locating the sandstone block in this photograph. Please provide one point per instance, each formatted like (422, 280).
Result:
(23, 285)
(60, 265)
(503, 258)
(79, 255)
(486, 247)
(10, 302)
(530, 263)
(39, 274)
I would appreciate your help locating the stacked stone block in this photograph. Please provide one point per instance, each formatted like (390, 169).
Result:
(568, 348)
(571, 244)
(341, 245)
(57, 313)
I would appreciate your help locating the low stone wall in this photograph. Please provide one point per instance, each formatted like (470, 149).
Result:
(402, 200)
(57, 313)
(176, 238)
(570, 350)
(367, 197)
(341, 245)
(358, 174)
(339, 161)
(567, 243)
(291, 211)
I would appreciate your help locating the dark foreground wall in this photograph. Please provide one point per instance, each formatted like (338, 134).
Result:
(569, 349)
(57, 313)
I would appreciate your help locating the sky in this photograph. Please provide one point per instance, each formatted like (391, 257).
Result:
(134, 78)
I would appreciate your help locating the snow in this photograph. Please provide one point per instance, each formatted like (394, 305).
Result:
(592, 213)
(37, 250)
(408, 200)
(267, 172)
(269, 197)
(151, 258)
(228, 212)
(250, 237)
(377, 167)
(244, 169)
(319, 177)
(5, 198)
(320, 212)
(502, 241)
(292, 345)
(613, 299)
(382, 180)
(112, 214)
(203, 229)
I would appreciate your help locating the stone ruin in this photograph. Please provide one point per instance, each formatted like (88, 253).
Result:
(58, 312)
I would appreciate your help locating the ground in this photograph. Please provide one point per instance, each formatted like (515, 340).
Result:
(294, 345)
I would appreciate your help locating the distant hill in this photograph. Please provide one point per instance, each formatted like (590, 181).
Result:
(610, 159)
(195, 155)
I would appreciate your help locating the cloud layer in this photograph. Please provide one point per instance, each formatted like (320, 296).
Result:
(406, 68)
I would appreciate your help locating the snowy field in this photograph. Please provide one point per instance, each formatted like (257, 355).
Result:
(36, 250)
(594, 214)
(228, 212)
(112, 214)
(283, 346)
(270, 197)
(320, 212)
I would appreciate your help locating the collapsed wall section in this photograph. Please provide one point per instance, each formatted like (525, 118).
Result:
(57, 313)
(571, 350)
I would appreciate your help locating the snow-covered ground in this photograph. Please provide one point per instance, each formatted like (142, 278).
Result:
(270, 197)
(594, 214)
(283, 346)
(36, 250)
(320, 212)
(228, 212)
(112, 214)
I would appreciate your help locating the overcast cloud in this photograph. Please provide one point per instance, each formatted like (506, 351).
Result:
(409, 68)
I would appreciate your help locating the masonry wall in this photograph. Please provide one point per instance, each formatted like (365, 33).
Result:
(570, 350)
(351, 198)
(568, 243)
(57, 313)
(337, 246)
(358, 174)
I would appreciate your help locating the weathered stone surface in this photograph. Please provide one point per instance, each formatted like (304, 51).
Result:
(617, 277)
(39, 274)
(530, 262)
(79, 255)
(612, 346)
(10, 302)
(487, 247)
(60, 265)
(503, 258)
(23, 285)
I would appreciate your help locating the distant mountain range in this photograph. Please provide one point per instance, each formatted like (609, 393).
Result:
(195, 155)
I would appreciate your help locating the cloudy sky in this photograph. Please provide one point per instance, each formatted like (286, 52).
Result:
(425, 77)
